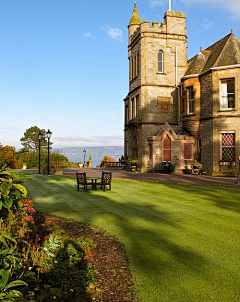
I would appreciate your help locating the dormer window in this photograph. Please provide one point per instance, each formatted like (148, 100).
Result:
(227, 94)
(160, 61)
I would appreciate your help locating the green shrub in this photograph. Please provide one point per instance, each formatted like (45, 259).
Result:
(30, 270)
(67, 276)
(7, 293)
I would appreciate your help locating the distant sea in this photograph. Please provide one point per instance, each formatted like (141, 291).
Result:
(75, 154)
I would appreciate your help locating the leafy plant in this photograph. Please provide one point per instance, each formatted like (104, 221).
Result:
(52, 245)
(134, 160)
(11, 192)
(28, 270)
(226, 156)
(69, 275)
(6, 287)
(8, 252)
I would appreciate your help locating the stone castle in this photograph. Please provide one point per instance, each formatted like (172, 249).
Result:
(181, 110)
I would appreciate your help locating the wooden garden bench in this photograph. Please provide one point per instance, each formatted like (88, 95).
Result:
(82, 182)
(106, 181)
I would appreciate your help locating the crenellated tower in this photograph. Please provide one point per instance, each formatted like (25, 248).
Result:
(157, 55)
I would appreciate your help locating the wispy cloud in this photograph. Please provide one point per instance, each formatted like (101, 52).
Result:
(114, 33)
(88, 35)
(91, 141)
(207, 23)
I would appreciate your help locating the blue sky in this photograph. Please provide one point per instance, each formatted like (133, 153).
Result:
(64, 63)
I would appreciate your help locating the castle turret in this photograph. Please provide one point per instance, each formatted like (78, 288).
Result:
(134, 22)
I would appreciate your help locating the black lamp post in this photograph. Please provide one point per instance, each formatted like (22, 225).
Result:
(39, 152)
(84, 154)
(48, 135)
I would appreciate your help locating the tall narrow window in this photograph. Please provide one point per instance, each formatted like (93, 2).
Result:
(190, 99)
(188, 151)
(138, 63)
(131, 68)
(132, 108)
(160, 61)
(136, 106)
(228, 146)
(227, 94)
(167, 148)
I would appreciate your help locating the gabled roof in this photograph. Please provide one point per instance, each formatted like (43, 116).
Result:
(224, 52)
(173, 130)
(197, 63)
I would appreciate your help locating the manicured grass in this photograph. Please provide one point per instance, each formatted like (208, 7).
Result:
(182, 240)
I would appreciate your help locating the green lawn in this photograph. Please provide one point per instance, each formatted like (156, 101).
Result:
(182, 240)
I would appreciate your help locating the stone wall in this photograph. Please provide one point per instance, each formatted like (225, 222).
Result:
(191, 121)
(206, 134)
(214, 121)
(206, 96)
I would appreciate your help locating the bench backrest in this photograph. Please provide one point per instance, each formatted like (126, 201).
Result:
(106, 177)
(81, 178)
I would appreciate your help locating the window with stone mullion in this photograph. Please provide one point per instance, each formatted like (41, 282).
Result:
(190, 100)
(227, 94)
(228, 145)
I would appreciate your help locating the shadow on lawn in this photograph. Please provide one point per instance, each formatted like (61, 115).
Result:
(140, 227)
(138, 223)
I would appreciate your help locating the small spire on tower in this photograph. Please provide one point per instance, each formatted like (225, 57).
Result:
(135, 19)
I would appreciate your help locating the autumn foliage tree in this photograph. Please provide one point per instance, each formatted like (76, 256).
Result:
(7, 156)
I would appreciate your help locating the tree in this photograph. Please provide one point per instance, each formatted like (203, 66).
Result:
(30, 141)
(7, 156)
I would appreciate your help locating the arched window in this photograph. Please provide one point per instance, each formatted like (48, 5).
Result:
(160, 61)
(167, 148)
